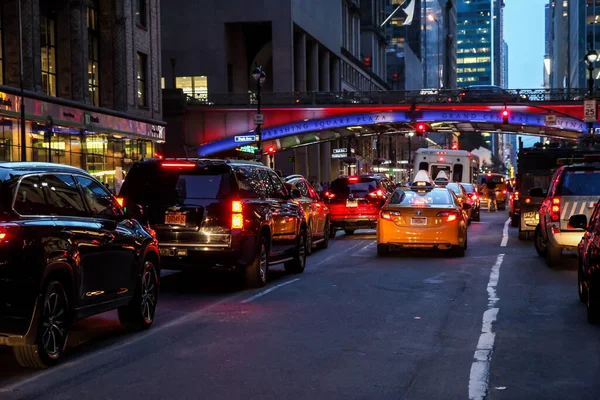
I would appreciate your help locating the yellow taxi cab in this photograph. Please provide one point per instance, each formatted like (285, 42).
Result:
(426, 216)
(501, 189)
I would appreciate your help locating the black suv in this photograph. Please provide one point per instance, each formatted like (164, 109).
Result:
(228, 214)
(67, 251)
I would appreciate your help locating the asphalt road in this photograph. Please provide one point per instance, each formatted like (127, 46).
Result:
(497, 324)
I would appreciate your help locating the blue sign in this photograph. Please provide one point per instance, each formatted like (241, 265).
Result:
(492, 117)
(246, 138)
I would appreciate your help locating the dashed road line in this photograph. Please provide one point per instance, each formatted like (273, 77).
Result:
(479, 378)
(264, 292)
(505, 234)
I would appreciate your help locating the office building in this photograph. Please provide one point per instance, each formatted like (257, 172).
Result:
(91, 78)
(480, 43)
(421, 49)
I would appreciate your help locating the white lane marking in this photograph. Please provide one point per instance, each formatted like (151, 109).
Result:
(264, 292)
(115, 347)
(479, 378)
(505, 234)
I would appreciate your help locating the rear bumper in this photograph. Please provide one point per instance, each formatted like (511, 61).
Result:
(565, 240)
(443, 236)
(241, 252)
(362, 222)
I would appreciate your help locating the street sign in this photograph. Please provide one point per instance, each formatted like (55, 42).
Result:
(551, 119)
(259, 119)
(338, 151)
(590, 111)
(339, 155)
(248, 149)
(245, 138)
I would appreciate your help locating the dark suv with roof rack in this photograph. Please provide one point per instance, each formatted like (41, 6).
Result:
(229, 214)
(67, 252)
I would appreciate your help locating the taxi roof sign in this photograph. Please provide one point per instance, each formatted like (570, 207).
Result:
(422, 181)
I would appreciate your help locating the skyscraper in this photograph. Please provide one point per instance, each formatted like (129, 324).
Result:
(480, 43)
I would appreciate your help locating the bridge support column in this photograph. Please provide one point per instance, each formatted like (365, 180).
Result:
(300, 62)
(314, 162)
(325, 162)
(335, 75)
(324, 70)
(301, 161)
(313, 66)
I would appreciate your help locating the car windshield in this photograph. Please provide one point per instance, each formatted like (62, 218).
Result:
(455, 188)
(411, 198)
(579, 183)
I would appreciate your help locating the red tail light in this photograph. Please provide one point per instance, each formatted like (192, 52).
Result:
(555, 209)
(388, 215)
(378, 193)
(516, 196)
(449, 215)
(527, 200)
(237, 218)
(353, 179)
(178, 164)
(329, 195)
(504, 191)
(474, 197)
(8, 231)
(121, 201)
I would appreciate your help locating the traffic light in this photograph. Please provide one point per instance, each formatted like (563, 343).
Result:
(421, 128)
(271, 150)
(505, 115)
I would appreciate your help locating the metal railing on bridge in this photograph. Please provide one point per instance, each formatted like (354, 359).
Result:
(432, 96)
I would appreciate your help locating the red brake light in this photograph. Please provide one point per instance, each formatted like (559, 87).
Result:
(386, 215)
(504, 191)
(555, 209)
(329, 195)
(120, 201)
(527, 200)
(474, 197)
(378, 193)
(450, 215)
(237, 218)
(7, 231)
(353, 179)
(178, 164)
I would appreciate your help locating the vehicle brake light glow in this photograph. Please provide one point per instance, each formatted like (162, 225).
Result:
(353, 179)
(386, 215)
(527, 201)
(450, 216)
(120, 201)
(170, 164)
(555, 209)
(474, 197)
(377, 193)
(329, 195)
(237, 218)
(504, 191)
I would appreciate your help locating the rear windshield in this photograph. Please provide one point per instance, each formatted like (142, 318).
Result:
(362, 187)
(468, 187)
(579, 183)
(409, 198)
(154, 184)
(493, 178)
(455, 188)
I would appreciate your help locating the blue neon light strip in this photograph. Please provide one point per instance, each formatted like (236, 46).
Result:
(493, 117)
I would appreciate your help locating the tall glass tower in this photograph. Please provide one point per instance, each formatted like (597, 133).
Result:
(480, 43)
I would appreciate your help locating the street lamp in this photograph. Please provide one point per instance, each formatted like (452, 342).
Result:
(432, 18)
(259, 76)
(590, 58)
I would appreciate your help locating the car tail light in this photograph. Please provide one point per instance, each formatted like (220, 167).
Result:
(516, 196)
(527, 200)
(353, 179)
(378, 194)
(121, 201)
(555, 209)
(449, 215)
(504, 191)
(329, 195)
(8, 231)
(474, 197)
(388, 215)
(178, 164)
(237, 218)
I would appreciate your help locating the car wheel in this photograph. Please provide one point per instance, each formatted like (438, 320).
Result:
(457, 251)
(553, 255)
(309, 240)
(539, 242)
(297, 265)
(139, 313)
(383, 250)
(52, 333)
(349, 232)
(580, 285)
(332, 231)
(257, 272)
(325, 243)
(593, 309)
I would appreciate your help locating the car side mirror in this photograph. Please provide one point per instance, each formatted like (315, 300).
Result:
(136, 212)
(537, 192)
(466, 206)
(578, 221)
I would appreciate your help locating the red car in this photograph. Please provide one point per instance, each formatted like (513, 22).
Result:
(354, 202)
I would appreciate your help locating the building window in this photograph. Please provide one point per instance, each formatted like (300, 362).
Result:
(140, 12)
(93, 56)
(142, 73)
(194, 86)
(48, 54)
(162, 83)
(1, 50)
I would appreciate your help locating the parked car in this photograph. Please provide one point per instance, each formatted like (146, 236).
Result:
(463, 198)
(68, 251)
(315, 210)
(229, 214)
(354, 202)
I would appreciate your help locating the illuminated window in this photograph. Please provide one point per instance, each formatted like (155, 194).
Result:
(142, 73)
(93, 55)
(1, 52)
(195, 86)
(162, 82)
(48, 53)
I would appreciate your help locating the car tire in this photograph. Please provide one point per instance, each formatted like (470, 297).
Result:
(539, 242)
(297, 265)
(309, 240)
(139, 313)
(257, 272)
(325, 243)
(458, 251)
(553, 256)
(581, 289)
(53, 323)
(332, 232)
(349, 232)
(383, 250)
(593, 306)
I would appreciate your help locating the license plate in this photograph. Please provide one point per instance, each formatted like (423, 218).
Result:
(418, 221)
(175, 219)
(173, 252)
(351, 203)
(531, 215)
